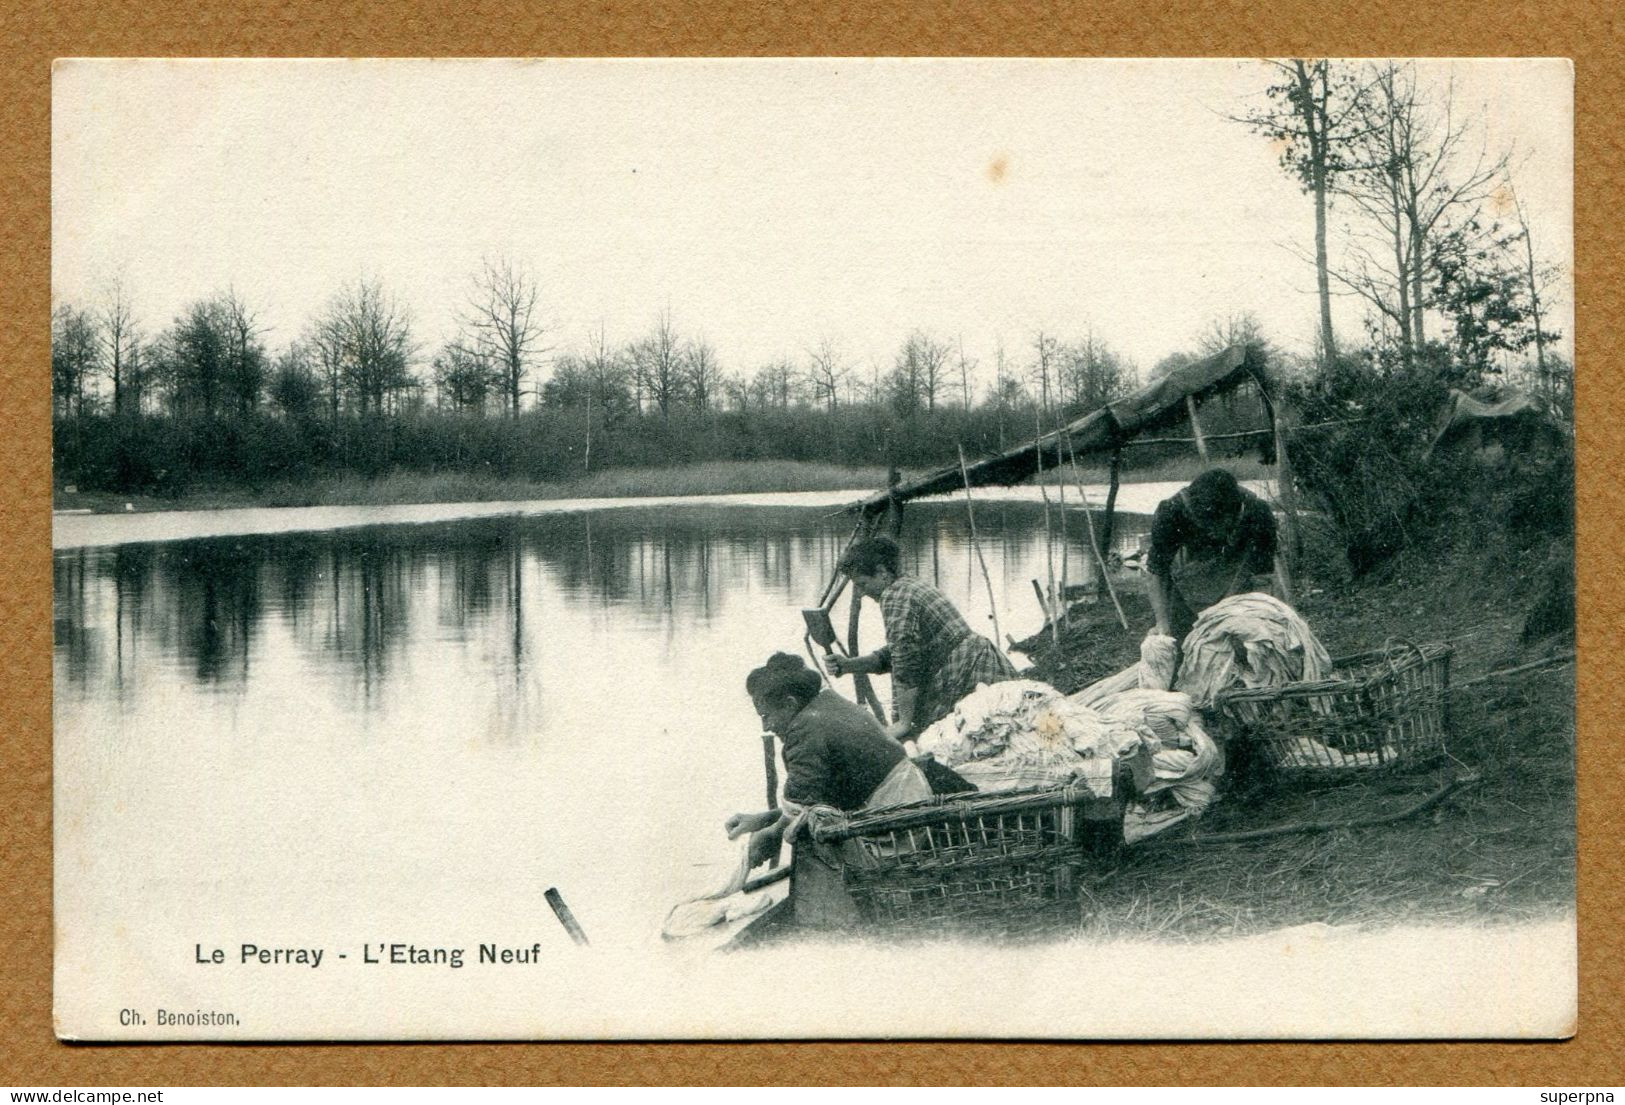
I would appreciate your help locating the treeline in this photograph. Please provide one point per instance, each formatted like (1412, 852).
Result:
(206, 400)
(1412, 218)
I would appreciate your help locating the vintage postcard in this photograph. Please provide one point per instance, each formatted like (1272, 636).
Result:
(763, 548)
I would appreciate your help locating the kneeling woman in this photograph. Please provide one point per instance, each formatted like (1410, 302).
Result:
(835, 754)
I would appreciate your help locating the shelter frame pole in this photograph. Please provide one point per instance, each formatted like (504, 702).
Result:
(1284, 488)
(1116, 476)
(1196, 428)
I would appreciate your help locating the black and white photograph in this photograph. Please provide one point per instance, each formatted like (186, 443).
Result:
(819, 548)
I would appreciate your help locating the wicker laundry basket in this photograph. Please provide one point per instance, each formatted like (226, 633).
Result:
(1384, 709)
(1003, 862)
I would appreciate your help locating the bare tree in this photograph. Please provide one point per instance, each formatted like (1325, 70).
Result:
(138, 373)
(118, 335)
(1313, 109)
(737, 390)
(373, 334)
(74, 358)
(1539, 279)
(775, 384)
(826, 368)
(603, 375)
(1236, 328)
(966, 366)
(1002, 381)
(701, 375)
(918, 373)
(1415, 175)
(932, 356)
(1091, 372)
(1046, 362)
(246, 367)
(325, 340)
(657, 364)
(503, 322)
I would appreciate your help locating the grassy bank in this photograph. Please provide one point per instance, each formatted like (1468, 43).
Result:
(1499, 848)
(713, 478)
(708, 478)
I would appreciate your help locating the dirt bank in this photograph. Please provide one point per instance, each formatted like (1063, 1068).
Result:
(1499, 847)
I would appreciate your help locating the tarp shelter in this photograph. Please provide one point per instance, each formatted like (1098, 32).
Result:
(1164, 402)
(1518, 419)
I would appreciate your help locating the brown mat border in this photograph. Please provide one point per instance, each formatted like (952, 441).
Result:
(32, 32)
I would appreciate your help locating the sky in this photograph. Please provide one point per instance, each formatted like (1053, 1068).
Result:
(769, 205)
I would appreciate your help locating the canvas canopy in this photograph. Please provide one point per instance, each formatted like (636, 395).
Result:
(1462, 413)
(1157, 405)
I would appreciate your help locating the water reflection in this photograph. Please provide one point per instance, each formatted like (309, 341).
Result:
(355, 601)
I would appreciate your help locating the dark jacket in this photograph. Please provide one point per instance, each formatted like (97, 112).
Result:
(835, 753)
(1250, 533)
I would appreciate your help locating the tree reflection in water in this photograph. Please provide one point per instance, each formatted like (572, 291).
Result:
(352, 599)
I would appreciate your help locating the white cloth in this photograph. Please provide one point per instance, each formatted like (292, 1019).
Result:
(982, 723)
(1251, 640)
(903, 784)
(1155, 671)
(1125, 680)
(1308, 752)
(1158, 656)
(1185, 761)
(1027, 734)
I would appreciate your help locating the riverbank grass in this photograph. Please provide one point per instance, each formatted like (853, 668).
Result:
(399, 487)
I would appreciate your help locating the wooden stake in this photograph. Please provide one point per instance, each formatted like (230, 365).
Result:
(770, 768)
(566, 918)
(1100, 557)
(970, 512)
(770, 765)
(1049, 543)
(1284, 491)
(1196, 428)
(1111, 499)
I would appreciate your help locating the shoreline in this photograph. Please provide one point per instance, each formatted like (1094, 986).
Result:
(93, 530)
(712, 478)
(401, 488)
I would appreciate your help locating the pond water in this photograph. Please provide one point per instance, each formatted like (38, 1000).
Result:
(394, 725)
(317, 731)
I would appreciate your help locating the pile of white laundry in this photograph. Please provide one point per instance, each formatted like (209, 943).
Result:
(1185, 762)
(1027, 734)
(1024, 733)
(1251, 640)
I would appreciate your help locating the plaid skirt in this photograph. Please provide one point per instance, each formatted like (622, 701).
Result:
(971, 662)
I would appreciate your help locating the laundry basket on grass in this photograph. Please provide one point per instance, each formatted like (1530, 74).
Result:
(1002, 862)
(1383, 709)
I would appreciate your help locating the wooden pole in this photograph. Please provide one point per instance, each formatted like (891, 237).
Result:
(1100, 557)
(770, 765)
(1284, 490)
(970, 513)
(1111, 499)
(1049, 544)
(1196, 427)
(566, 918)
